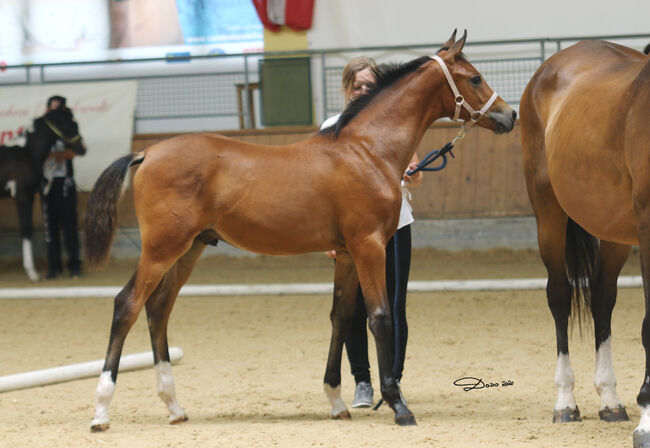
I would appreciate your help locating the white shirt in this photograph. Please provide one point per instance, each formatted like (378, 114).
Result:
(405, 212)
(53, 168)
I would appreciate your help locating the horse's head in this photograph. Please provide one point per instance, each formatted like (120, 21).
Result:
(55, 124)
(470, 96)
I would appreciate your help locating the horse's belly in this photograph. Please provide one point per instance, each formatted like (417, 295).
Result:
(276, 235)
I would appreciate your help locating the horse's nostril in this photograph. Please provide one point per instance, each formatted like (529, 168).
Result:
(514, 115)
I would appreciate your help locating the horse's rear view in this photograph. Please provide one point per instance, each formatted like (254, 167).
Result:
(585, 126)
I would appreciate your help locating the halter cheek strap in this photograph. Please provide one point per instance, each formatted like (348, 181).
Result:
(60, 134)
(458, 98)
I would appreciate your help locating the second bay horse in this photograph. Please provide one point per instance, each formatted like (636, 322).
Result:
(339, 189)
(585, 129)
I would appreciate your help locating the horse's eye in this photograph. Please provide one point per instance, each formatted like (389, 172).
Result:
(476, 80)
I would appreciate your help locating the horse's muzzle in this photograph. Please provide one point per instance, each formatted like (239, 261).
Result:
(504, 121)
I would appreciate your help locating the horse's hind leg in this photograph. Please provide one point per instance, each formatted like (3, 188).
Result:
(641, 434)
(551, 236)
(159, 307)
(603, 294)
(345, 292)
(128, 304)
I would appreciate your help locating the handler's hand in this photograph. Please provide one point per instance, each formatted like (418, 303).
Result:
(415, 177)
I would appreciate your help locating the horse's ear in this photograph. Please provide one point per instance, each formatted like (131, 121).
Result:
(451, 40)
(457, 47)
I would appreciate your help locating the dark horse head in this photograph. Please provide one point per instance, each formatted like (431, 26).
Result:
(57, 124)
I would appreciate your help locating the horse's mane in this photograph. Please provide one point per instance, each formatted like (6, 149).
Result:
(385, 76)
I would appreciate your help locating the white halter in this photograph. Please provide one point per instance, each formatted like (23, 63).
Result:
(460, 101)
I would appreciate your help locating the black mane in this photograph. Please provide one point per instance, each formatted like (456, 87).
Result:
(385, 75)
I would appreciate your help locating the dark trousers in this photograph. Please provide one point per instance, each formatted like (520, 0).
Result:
(60, 216)
(398, 265)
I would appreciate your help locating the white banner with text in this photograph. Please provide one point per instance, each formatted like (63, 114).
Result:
(103, 110)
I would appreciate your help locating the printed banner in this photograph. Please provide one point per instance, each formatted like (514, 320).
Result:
(43, 31)
(103, 110)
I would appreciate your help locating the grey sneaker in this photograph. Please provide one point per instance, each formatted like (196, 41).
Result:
(363, 395)
(401, 395)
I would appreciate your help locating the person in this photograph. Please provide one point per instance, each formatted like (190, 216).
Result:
(646, 50)
(358, 78)
(59, 202)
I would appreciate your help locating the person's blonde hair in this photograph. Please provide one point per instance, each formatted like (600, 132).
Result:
(352, 68)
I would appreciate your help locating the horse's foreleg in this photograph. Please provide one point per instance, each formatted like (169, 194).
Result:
(603, 294)
(346, 284)
(370, 260)
(159, 307)
(24, 204)
(128, 304)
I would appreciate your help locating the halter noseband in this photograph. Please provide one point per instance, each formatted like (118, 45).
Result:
(458, 98)
(60, 134)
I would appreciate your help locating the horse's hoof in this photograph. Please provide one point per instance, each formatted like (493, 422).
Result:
(178, 420)
(641, 439)
(101, 427)
(614, 415)
(406, 420)
(343, 415)
(566, 415)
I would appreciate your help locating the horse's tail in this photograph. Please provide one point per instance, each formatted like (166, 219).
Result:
(583, 263)
(101, 211)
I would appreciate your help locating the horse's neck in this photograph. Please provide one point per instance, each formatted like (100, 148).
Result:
(395, 125)
(38, 147)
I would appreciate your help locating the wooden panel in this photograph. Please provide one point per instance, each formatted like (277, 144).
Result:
(485, 179)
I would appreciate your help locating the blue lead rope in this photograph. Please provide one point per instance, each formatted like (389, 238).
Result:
(431, 157)
(442, 152)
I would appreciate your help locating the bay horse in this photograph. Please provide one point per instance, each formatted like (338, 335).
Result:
(21, 170)
(585, 133)
(338, 189)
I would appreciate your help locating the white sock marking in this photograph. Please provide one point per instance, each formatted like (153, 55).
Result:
(334, 396)
(167, 390)
(103, 397)
(564, 380)
(604, 378)
(644, 423)
(28, 259)
(10, 186)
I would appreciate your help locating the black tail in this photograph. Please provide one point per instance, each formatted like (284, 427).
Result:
(583, 263)
(101, 211)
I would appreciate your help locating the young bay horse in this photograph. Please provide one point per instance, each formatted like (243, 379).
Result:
(21, 170)
(585, 129)
(339, 189)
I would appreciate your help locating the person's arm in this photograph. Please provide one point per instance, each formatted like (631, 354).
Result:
(415, 179)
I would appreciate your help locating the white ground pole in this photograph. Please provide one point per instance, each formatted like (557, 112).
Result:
(79, 371)
(291, 289)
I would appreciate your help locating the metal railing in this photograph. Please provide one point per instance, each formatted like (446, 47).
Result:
(207, 86)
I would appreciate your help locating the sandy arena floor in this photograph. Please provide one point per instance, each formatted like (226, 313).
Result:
(253, 366)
